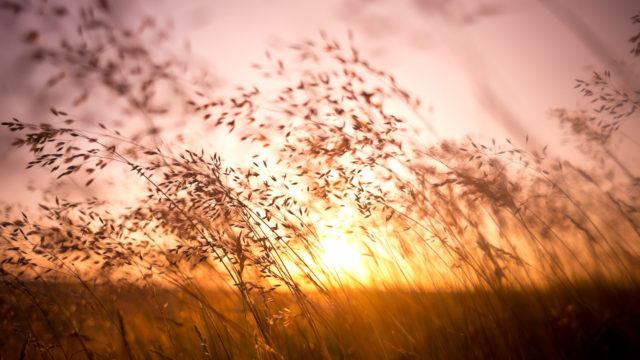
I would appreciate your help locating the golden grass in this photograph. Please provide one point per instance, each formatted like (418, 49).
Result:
(346, 235)
(357, 324)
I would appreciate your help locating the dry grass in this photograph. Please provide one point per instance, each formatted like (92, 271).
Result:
(464, 249)
(359, 324)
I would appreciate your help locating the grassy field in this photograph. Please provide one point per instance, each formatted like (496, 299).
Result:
(134, 322)
(338, 231)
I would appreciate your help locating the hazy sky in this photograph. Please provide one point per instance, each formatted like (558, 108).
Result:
(447, 52)
(487, 68)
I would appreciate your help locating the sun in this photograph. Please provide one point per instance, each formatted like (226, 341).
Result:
(339, 254)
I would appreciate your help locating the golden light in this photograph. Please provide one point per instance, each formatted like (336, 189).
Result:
(339, 254)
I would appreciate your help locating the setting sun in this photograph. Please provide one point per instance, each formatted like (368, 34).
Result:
(341, 255)
(338, 247)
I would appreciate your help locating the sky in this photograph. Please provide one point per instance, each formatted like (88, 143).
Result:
(447, 52)
(482, 68)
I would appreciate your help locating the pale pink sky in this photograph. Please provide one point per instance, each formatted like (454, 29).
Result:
(460, 57)
(524, 54)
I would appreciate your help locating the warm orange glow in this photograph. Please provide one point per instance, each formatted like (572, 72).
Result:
(341, 255)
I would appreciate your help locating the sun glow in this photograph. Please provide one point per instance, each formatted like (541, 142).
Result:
(339, 251)
(339, 254)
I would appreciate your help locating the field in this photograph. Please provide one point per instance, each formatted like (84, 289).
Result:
(135, 322)
(334, 228)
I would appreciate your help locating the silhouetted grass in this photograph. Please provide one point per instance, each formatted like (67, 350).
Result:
(446, 248)
(360, 324)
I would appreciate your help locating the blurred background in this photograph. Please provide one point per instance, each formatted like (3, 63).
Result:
(482, 68)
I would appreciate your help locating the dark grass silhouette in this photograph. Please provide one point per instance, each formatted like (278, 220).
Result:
(463, 249)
